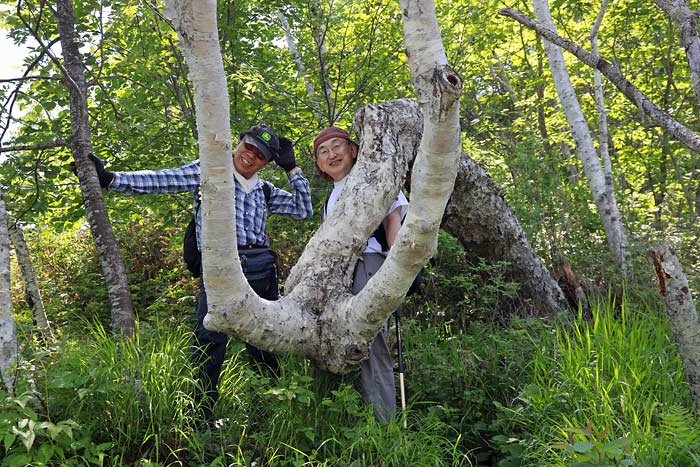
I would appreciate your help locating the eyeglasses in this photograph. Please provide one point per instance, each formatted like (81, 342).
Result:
(335, 148)
(256, 152)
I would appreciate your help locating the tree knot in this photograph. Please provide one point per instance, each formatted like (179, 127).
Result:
(354, 354)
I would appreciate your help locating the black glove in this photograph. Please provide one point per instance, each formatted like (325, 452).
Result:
(285, 156)
(105, 176)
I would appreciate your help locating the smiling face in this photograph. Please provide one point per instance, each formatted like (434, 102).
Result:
(248, 160)
(336, 157)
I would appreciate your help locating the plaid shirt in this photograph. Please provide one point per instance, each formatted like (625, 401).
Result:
(251, 210)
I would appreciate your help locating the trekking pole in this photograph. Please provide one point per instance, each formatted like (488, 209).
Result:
(399, 346)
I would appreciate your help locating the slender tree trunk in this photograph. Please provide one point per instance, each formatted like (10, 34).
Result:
(318, 32)
(685, 20)
(571, 168)
(31, 285)
(541, 117)
(603, 137)
(605, 203)
(319, 317)
(8, 335)
(291, 44)
(686, 186)
(107, 249)
(498, 73)
(680, 311)
(603, 130)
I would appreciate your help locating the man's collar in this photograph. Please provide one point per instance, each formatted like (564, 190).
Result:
(247, 183)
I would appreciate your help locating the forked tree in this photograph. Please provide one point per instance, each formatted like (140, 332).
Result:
(318, 317)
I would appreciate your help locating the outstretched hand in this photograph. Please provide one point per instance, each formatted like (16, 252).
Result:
(285, 157)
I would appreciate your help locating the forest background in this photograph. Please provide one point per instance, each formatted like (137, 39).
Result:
(490, 381)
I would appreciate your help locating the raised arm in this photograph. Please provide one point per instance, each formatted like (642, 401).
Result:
(296, 204)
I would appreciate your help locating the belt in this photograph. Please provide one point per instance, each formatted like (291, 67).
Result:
(250, 247)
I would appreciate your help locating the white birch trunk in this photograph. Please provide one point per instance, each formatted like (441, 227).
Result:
(31, 285)
(606, 204)
(8, 334)
(603, 135)
(310, 92)
(685, 20)
(233, 306)
(319, 318)
(680, 312)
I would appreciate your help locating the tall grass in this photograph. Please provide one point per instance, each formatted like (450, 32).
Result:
(534, 393)
(134, 399)
(615, 379)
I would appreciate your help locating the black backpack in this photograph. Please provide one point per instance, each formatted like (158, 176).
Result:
(190, 253)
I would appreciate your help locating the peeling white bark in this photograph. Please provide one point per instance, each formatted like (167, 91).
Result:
(31, 285)
(8, 335)
(680, 312)
(319, 318)
(603, 198)
(233, 305)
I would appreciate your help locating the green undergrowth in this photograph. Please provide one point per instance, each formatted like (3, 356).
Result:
(537, 392)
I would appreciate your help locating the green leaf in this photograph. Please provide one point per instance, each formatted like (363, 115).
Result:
(582, 446)
(17, 460)
(54, 430)
(9, 441)
(618, 443)
(46, 452)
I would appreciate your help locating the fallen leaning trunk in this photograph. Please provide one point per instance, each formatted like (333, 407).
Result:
(478, 215)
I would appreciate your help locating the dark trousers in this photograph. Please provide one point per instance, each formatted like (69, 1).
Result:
(210, 347)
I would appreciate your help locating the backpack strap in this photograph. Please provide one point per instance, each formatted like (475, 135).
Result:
(197, 200)
(380, 236)
(325, 203)
(267, 190)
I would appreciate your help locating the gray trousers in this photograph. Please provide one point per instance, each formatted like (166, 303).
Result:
(377, 372)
